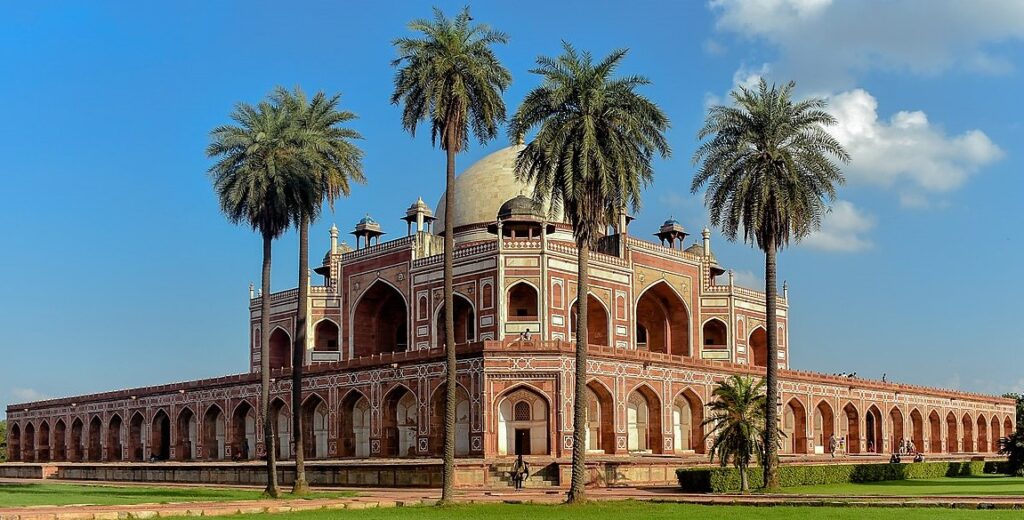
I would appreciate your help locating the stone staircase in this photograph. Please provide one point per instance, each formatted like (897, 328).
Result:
(543, 474)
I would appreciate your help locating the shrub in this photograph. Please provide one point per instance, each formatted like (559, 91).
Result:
(722, 480)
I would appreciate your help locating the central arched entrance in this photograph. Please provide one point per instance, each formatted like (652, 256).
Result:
(465, 322)
(381, 318)
(597, 322)
(523, 423)
(664, 319)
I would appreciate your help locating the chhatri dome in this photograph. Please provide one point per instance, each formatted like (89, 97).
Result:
(483, 188)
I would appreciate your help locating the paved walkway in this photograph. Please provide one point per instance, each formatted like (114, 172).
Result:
(371, 498)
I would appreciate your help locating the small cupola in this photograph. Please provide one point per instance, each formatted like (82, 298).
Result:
(671, 234)
(420, 215)
(367, 232)
(521, 217)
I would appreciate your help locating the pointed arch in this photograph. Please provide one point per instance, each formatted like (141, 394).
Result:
(280, 347)
(687, 422)
(187, 433)
(77, 449)
(757, 347)
(896, 434)
(850, 428)
(462, 420)
(315, 421)
(794, 423)
(824, 425)
(243, 431)
(465, 322)
(664, 318)
(214, 433)
(326, 336)
(400, 422)
(281, 426)
(600, 416)
(968, 432)
(114, 442)
(952, 434)
(60, 440)
(95, 439)
(715, 334)
(43, 442)
(28, 450)
(643, 420)
(1007, 426)
(934, 432)
(523, 301)
(917, 431)
(982, 441)
(136, 423)
(382, 313)
(994, 435)
(14, 442)
(598, 321)
(523, 414)
(354, 432)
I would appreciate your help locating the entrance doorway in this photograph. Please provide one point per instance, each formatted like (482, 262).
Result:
(523, 441)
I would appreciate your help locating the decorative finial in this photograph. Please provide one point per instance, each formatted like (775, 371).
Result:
(252, 290)
(732, 278)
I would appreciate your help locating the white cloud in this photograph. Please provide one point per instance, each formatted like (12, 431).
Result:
(842, 230)
(827, 43)
(743, 278)
(27, 395)
(713, 47)
(906, 151)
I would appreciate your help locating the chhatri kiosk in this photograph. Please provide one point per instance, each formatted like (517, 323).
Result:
(665, 324)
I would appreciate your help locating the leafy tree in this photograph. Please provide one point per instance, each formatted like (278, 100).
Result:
(254, 178)
(1013, 448)
(591, 157)
(1020, 407)
(3, 440)
(450, 78)
(767, 162)
(737, 420)
(332, 162)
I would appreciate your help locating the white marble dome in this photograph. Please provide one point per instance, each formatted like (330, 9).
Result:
(481, 189)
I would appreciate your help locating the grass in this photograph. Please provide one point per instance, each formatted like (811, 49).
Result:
(973, 485)
(635, 510)
(20, 495)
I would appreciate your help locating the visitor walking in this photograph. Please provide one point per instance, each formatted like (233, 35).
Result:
(520, 471)
(832, 445)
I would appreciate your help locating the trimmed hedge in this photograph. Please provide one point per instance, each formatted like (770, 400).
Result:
(723, 480)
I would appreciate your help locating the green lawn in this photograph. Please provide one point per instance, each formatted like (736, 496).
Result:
(974, 485)
(638, 510)
(15, 495)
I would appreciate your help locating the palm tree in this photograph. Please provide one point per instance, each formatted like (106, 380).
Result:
(769, 173)
(332, 162)
(1013, 447)
(254, 180)
(590, 158)
(450, 78)
(737, 420)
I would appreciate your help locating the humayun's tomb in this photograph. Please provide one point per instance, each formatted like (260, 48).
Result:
(666, 323)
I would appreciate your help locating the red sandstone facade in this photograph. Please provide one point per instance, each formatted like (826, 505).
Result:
(662, 331)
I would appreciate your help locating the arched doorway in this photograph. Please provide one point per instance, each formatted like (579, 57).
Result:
(665, 320)
(597, 322)
(14, 440)
(982, 434)
(160, 436)
(77, 444)
(95, 443)
(383, 318)
(600, 415)
(917, 430)
(716, 335)
(135, 449)
(114, 438)
(994, 435)
(465, 322)
(687, 423)
(437, 405)
(952, 439)
(28, 451)
(401, 423)
(896, 428)
(281, 424)
(873, 425)
(523, 423)
(188, 433)
(355, 425)
(315, 420)
(243, 432)
(214, 433)
(522, 303)
(824, 426)
(325, 336)
(758, 346)
(935, 432)
(43, 452)
(850, 428)
(60, 439)
(280, 349)
(794, 424)
(968, 433)
(643, 421)
(1007, 427)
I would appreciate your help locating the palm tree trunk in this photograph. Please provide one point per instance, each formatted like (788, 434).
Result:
(744, 484)
(448, 471)
(771, 469)
(268, 429)
(300, 487)
(579, 419)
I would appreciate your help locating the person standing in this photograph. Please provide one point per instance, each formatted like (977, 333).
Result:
(832, 443)
(520, 471)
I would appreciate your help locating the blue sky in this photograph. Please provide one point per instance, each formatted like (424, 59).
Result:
(117, 269)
